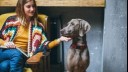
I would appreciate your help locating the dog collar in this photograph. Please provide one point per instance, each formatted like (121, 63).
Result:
(74, 46)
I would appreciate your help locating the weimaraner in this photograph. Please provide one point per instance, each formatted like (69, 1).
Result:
(78, 54)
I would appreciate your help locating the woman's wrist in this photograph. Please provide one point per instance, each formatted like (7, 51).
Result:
(59, 40)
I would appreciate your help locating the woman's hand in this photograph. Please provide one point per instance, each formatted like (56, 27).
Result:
(62, 38)
(10, 45)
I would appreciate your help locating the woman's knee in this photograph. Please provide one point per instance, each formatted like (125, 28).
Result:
(4, 66)
(17, 61)
(16, 52)
(17, 56)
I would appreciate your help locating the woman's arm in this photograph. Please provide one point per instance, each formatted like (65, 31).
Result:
(57, 41)
(6, 25)
(2, 42)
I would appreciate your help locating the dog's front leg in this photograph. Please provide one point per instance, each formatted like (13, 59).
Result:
(85, 60)
(70, 63)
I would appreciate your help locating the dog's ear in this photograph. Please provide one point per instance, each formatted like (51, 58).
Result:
(84, 27)
(87, 26)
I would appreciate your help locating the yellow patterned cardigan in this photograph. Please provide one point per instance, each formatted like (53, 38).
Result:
(10, 29)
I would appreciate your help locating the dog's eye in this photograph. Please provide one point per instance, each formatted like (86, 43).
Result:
(72, 23)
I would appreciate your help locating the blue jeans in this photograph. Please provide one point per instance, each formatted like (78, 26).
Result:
(11, 60)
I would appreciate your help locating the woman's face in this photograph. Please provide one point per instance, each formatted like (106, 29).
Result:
(29, 9)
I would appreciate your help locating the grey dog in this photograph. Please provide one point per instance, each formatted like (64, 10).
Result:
(78, 54)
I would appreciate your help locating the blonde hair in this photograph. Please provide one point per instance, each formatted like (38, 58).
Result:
(21, 14)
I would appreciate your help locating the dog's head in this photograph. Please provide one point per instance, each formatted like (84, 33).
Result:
(76, 27)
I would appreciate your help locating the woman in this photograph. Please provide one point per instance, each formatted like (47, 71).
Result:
(25, 32)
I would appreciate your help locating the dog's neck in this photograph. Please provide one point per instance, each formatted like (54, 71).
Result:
(79, 41)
